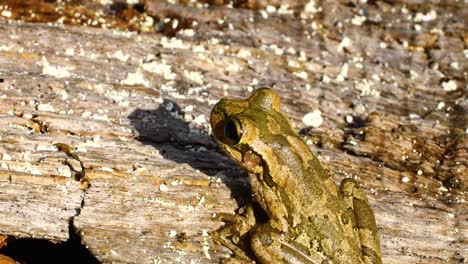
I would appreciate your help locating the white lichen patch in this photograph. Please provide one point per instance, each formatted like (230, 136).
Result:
(177, 95)
(188, 108)
(108, 169)
(233, 67)
(212, 101)
(201, 201)
(310, 8)
(326, 79)
(455, 65)
(160, 68)
(167, 87)
(449, 86)
(45, 107)
(172, 233)
(106, 2)
(345, 43)
(118, 96)
(264, 14)
(375, 77)
(55, 71)
(343, 72)
(206, 243)
(140, 171)
(94, 142)
(244, 53)
(118, 55)
(293, 63)
(86, 114)
(285, 9)
(6, 13)
(88, 54)
(100, 88)
(62, 93)
(366, 88)
(163, 188)
(101, 117)
(64, 171)
(187, 32)
(12, 47)
(176, 182)
(148, 22)
(383, 45)
(440, 105)
(82, 148)
(358, 20)
(6, 156)
(194, 76)
(136, 78)
(26, 167)
(429, 16)
(46, 147)
(70, 52)
(199, 49)
(313, 119)
(414, 75)
(200, 120)
(277, 50)
(173, 43)
(270, 9)
(302, 75)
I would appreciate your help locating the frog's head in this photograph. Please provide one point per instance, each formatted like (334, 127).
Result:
(245, 129)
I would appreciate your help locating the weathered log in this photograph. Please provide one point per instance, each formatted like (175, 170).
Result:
(104, 134)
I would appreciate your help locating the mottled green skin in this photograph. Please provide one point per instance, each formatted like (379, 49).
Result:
(310, 221)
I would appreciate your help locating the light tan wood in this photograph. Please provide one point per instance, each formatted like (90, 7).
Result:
(127, 113)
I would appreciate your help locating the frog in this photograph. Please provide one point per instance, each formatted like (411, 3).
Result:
(308, 218)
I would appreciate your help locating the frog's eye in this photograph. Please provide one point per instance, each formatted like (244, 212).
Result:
(232, 131)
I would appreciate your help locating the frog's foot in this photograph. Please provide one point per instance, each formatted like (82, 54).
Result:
(233, 235)
(365, 224)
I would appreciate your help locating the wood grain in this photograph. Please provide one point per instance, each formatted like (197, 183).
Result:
(104, 133)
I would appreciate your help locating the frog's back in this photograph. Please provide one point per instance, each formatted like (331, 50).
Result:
(318, 214)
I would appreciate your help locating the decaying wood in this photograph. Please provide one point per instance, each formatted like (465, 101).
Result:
(105, 133)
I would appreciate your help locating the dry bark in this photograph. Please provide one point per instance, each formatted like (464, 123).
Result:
(104, 134)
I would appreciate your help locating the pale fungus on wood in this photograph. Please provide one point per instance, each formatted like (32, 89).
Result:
(104, 133)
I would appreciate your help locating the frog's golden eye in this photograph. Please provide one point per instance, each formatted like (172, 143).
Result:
(232, 131)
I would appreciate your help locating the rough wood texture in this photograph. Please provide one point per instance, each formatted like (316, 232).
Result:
(127, 114)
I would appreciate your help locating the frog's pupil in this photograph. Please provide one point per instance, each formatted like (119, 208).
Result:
(231, 131)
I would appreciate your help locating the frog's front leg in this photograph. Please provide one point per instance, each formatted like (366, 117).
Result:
(233, 236)
(365, 225)
(271, 246)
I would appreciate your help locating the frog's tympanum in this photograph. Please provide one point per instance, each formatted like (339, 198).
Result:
(309, 219)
